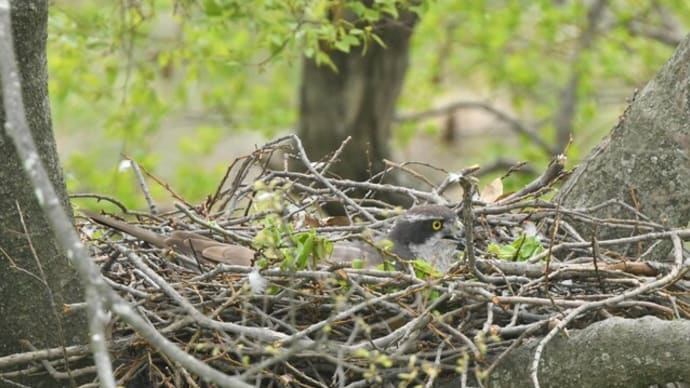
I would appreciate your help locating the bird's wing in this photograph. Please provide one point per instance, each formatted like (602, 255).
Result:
(229, 254)
(150, 237)
(193, 244)
(188, 243)
(345, 252)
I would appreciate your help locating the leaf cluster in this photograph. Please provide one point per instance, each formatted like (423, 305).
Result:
(522, 248)
(277, 240)
(163, 81)
(152, 70)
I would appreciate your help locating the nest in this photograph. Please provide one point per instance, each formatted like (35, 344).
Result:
(526, 273)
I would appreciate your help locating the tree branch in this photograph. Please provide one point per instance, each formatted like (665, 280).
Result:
(663, 281)
(18, 129)
(566, 109)
(514, 124)
(98, 294)
(618, 352)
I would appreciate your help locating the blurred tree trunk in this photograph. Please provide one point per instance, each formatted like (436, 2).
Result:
(357, 100)
(32, 297)
(645, 159)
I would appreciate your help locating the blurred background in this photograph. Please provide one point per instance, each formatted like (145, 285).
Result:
(185, 87)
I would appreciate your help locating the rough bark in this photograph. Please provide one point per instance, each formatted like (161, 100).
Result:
(357, 100)
(616, 352)
(644, 159)
(32, 297)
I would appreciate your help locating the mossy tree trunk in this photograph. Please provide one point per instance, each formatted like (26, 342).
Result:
(36, 279)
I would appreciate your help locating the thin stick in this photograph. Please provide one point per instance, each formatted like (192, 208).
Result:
(308, 164)
(144, 187)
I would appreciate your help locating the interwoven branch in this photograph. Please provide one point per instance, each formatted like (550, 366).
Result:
(333, 326)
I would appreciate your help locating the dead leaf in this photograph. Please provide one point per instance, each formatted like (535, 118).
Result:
(310, 222)
(492, 191)
(337, 221)
(342, 274)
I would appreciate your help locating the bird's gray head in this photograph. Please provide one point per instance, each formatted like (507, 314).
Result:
(428, 232)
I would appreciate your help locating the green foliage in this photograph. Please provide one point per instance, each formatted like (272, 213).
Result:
(375, 360)
(423, 269)
(145, 65)
(463, 362)
(525, 53)
(358, 263)
(277, 241)
(121, 181)
(127, 76)
(523, 248)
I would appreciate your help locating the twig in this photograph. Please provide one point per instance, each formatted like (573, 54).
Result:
(553, 172)
(327, 326)
(678, 254)
(468, 220)
(18, 130)
(144, 187)
(210, 226)
(51, 298)
(514, 124)
(164, 185)
(403, 167)
(335, 155)
(308, 164)
(100, 197)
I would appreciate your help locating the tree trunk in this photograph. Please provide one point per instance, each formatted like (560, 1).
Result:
(644, 161)
(357, 100)
(36, 279)
(616, 352)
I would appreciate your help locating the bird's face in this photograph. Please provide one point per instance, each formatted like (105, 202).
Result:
(428, 232)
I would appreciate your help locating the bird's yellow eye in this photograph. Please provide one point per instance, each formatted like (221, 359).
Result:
(437, 225)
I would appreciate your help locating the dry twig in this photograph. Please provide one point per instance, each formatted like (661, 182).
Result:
(356, 327)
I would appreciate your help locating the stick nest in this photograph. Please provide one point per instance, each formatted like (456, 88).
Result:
(335, 326)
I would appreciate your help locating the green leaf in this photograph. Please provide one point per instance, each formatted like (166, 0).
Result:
(305, 248)
(378, 40)
(523, 248)
(212, 8)
(503, 252)
(343, 46)
(423, 269)
(322, 58)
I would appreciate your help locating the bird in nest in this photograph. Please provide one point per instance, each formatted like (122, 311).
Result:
(432, 233)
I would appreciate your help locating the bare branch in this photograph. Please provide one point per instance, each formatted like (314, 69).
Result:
(514, 124)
